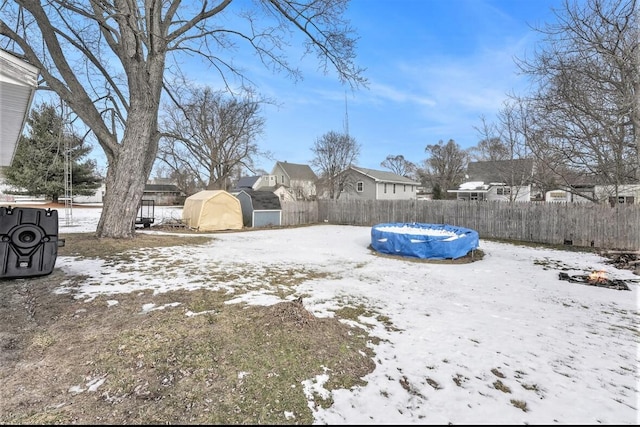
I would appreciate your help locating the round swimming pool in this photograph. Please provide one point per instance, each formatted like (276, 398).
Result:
(420, 240)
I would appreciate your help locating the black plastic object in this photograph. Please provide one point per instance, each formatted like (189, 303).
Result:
(28, 242)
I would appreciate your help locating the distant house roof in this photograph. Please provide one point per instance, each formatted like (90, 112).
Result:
(247, 182)
(513, 172)
(297, 171)
(385, 176)
(263, 200)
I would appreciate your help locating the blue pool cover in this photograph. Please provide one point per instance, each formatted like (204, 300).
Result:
(427, 241)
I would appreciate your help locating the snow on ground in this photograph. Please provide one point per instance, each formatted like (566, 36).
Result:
(497, 341)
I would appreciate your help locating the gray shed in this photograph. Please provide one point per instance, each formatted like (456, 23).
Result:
(260, 208)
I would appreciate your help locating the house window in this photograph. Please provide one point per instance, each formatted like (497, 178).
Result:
(503, 191)
(473, 196)
(282, 178)
(360, 186)
(394, 189)
(405, 188)
(385, 187)
(622, 199)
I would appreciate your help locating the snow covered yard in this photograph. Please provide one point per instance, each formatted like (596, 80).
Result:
(501, 340)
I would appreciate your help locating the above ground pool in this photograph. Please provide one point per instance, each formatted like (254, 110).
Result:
(428, 241)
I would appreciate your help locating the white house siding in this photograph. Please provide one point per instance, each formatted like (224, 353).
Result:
(518, 194)
(300, 179)
(266, 181)
(600, 192)
(560, 196)
(95, 198)
(395, 191)
(283, 194)
(492, 192)
(557, 196)
(279, 175)
(307, 188)
(603, 192)
(18, 82)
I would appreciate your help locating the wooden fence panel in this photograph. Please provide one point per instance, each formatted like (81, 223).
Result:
(299, 213)
(596, 225)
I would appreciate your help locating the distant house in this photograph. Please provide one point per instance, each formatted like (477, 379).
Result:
(370, 184)
(97, 197)
(424, 192)
(11, 194)
(296, 179)
(164, 194)
(260, 208)
(497, 180)
(284, 193)
(625, 193)
(288, 181)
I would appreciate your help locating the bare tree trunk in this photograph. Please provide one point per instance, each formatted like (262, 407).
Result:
(106, 60)
(126, 177)
(635, 118)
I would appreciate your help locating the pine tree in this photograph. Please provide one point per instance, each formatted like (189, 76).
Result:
(38, 167)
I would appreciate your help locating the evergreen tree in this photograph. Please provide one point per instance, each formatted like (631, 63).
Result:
(38, 167)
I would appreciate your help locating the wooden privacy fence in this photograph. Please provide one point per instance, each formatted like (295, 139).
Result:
(589, 225)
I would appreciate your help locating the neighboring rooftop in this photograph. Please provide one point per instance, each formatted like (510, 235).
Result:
(298, 171)
(504, 171)
(263, 200)
(247, 182)
(385, 176)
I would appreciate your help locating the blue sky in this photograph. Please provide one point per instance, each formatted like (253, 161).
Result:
(435, 67)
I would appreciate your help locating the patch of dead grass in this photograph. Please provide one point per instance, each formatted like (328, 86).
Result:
(192, 359)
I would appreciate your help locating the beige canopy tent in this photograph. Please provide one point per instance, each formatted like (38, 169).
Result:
(212, 210)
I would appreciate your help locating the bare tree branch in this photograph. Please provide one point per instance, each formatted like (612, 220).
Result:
(334, 152)
(585, 112)
(209, 136)
(107, 60)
